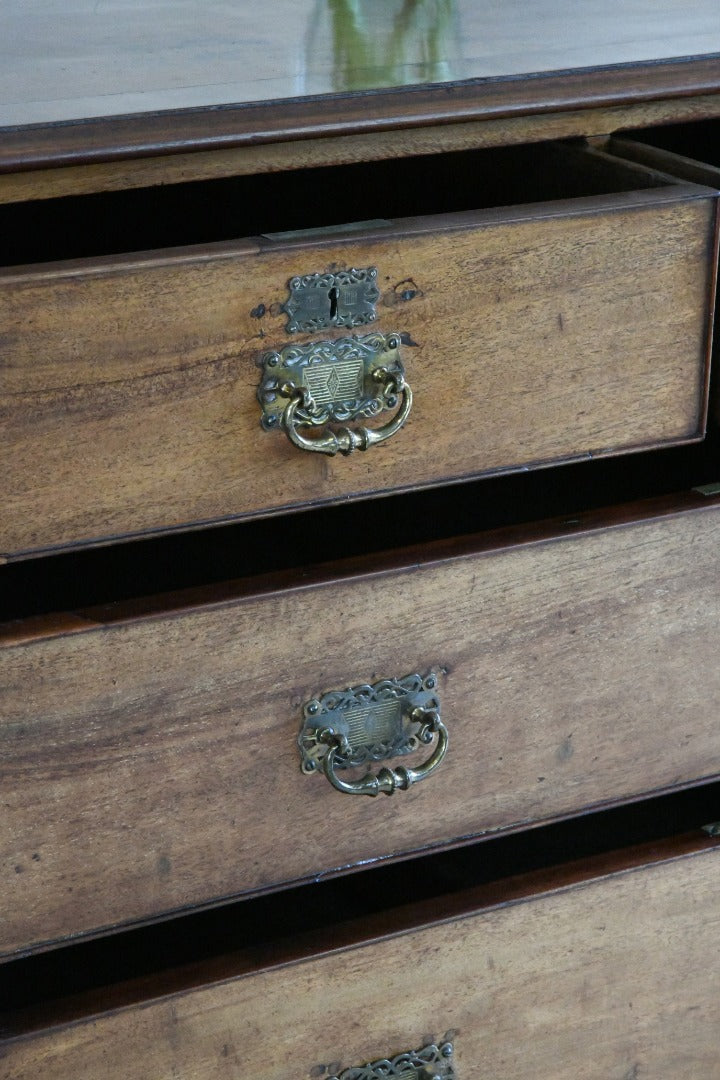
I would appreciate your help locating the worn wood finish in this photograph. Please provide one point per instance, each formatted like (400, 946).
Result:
(655, 157)
(147, 757)
(152, 765)
(138, 172)
(702, 168)
(538, 334)
(568, 975)
(110, 137)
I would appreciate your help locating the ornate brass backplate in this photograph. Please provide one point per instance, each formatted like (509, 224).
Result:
(336, 377)
(343, 729)
(433, 1062)
(374, 719)
(325, 382)
(344, 298)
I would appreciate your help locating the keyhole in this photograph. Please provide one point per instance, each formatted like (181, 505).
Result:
(333, 296)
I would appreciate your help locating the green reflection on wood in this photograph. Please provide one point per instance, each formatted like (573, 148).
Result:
(381, 43)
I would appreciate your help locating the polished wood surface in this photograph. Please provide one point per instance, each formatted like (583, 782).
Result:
(556, 975)
(127, 137)
(147, 750)
(137, 172)
(138, 79)
(154, 764)
(703, 168)
(67, 61)
(534, 336)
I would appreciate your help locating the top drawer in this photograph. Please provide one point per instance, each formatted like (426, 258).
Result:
(530, 334)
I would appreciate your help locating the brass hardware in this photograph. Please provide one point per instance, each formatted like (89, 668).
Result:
(433, 1062)
(321, 231)
(344, 729)
(309, 386)
(345, 298)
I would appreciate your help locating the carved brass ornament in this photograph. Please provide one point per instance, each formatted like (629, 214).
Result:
(433, 1062)
(325, 382)
(344, 298)
(344, 729)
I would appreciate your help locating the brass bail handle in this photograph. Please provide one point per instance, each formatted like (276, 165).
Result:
(387, 781)
(347, 440)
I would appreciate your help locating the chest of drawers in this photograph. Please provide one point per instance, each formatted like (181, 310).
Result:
(185, 587)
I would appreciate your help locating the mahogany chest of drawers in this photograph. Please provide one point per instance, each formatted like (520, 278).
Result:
(359, 438)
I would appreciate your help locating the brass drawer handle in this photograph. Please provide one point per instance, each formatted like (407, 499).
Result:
(387, 780)
(347, 440)
(306, 387)
(346, 728)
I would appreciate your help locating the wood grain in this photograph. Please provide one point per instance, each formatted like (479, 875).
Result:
(604, 977)
(539, 334)
(701, 168)
(696, 171)
(125, 137)
(163, 107)
(138, 172)
(151, 765)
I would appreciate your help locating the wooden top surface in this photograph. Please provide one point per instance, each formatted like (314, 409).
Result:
(73, 61)
(63, 61)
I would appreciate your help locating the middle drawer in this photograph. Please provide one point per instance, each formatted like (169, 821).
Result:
(551, 303)
(149, 757)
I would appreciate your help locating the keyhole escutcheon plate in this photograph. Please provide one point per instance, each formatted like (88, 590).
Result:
(343, 298)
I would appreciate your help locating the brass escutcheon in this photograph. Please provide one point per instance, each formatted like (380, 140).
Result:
(343, 729)
(326, 382)
(340, 298)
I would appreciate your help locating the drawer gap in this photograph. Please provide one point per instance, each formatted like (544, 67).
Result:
(74, 981)
(206, 558)
(699, 141)
(212, 211)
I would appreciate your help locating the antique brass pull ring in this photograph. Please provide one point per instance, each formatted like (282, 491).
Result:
(386, 781)
(327, 383)
(346, 440)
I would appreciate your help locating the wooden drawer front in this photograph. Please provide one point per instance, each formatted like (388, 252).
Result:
(594, 972)
(150, 764)
(533, 334)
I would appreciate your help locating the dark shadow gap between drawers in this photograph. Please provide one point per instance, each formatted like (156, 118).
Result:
(209, 211)
(699, 141)
(115, 574)
(150, 961)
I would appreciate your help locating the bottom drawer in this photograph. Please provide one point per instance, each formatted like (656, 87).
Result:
(600, 967)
